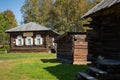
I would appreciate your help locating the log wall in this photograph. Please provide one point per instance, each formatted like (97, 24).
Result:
(72, 48)
(45, 47)
(65, 50)
(103, 47)
(80, 50)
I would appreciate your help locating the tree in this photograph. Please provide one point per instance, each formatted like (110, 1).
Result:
(36, 11)
(10, 19)
(68, 15)
(60, 15)
(7, 21)
(92, 3)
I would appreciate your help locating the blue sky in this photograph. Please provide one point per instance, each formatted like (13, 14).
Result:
(13, 5)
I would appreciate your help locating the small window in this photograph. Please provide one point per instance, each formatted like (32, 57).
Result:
(19, 40)
(29, 41)
(38, 40)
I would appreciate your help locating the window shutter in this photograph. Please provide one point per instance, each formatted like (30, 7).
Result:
(31, 41)
(26, 42)
(22, 42)
(53, 41)
(16, 41)
(36, 41)
(41, 40)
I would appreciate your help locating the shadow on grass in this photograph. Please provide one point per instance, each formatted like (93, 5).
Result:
(50, 61)
(64, 71)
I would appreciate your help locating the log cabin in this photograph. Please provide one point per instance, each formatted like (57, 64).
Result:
(31, 37)
(72, 48)
(103, 42)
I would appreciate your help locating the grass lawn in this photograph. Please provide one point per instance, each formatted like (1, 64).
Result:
(35, 66)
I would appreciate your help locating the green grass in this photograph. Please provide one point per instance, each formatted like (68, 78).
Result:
(9, 56)
(33, 66)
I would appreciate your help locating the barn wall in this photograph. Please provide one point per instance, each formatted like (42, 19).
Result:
(72, 48)
(65, 50)
(103, 46)
(104, 39)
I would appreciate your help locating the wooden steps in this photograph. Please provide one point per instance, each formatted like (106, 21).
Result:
(84, 76)
(98, 73)
(103, 39)
(105, 69)
(93, 73)
(111, 66)
(96, 70)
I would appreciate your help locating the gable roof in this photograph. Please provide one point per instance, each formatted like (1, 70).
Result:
(100, 6)
(32, 26)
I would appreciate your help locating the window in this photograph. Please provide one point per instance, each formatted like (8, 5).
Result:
(38, 40)
(29, 41)
(19, 40)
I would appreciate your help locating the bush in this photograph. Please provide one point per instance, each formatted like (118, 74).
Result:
(3, 48)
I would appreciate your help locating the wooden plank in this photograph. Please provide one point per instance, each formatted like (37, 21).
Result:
(86, 76)
(96, 70)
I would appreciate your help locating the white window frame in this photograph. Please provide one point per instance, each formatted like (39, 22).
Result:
(27, 41)
(19, 41)
(38, 37)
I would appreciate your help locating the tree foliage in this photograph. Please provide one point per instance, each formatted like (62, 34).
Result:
(7, 21)
(60, 15)
(36, 11)
(68, 13)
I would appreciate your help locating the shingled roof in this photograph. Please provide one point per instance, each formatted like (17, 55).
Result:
(32, 26)
(100, 6)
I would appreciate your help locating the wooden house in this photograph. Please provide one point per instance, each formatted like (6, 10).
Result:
(103, 42)
(72, 48)
(31, 37)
